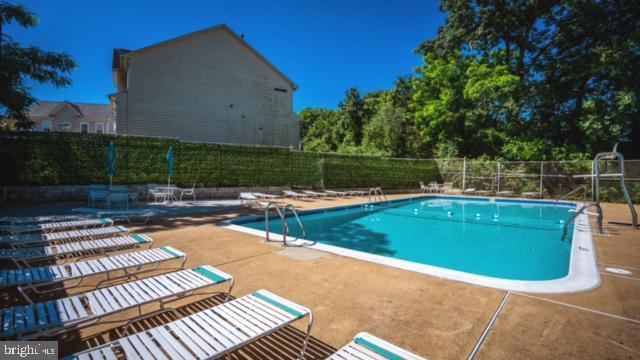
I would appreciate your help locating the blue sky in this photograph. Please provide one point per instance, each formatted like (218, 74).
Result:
(324, 46)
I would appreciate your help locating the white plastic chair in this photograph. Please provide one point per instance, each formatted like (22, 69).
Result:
(189, 192)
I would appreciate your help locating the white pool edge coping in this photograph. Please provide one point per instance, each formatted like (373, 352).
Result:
(583, 269)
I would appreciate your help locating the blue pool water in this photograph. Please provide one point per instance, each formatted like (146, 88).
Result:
(502, 239)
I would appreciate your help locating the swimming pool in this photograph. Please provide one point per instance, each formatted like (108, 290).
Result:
(501, 243)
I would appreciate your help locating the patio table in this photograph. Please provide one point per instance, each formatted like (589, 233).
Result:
(168, 192)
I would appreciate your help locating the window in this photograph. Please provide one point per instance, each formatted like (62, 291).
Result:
(99, 128)
(64, 127)
(46, 125)
(84, 128)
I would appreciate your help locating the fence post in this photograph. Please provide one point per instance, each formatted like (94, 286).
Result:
(541, 176)
(498, 179)
(464, 173)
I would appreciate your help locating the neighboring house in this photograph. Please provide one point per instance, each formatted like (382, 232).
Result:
(207, 86)
(75, 117)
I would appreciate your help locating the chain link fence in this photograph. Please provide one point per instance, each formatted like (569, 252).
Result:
(545, 179)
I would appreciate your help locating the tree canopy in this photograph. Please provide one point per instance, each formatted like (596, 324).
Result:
(19, 63)
(520, 80)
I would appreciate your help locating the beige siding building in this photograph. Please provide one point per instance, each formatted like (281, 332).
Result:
(74, 117)
(208, 86)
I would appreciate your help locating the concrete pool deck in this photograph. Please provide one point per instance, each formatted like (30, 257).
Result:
(435, 318)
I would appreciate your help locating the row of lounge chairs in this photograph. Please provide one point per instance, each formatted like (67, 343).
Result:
(447, 188)
(258, 197)
(210, 333)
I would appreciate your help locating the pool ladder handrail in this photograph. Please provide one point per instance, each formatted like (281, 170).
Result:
(285, 228)
(583, 187)
(378, 195)
(577, 213)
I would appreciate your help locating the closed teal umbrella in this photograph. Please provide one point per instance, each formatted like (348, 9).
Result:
(169, 165)
(111, 162)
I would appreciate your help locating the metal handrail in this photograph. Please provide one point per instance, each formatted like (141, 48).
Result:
(575, 216)
(583, 187)
(304, 231)
(285, 228)
(378, 195)
(266, 220)
(623, 187)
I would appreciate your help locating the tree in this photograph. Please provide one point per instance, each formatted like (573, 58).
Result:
(18, 63)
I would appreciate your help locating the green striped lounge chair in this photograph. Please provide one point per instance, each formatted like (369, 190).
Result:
(22, 220)
(30, 239)
(72, 249)
(58, 226)
(366, 346)
(38, 279)
(208, 334)
(51, 318)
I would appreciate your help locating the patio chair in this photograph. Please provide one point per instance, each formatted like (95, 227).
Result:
(211, 333)
(368, 347)
(23, 257)
(151, 190)
(483, 192)
(531, 195)
(293, 194)
(189, 192)
(423, 187)
(61, 236)
(58, 226)
(127, 264)
(117, 194)
(97, 192)
(469, 191)
(434, 187)
(51, 318)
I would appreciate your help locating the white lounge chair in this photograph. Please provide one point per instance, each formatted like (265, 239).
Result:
(356, 192)
(247, 197)
(531, 195)
(30, 239)
(34, 279)
(293, 194)
(210, 333)
(506, 193)
(336, 193)
(423, 187)
(265, 196)
(50, 318)
(58, 226)
(67, 250)
(131, 216)
(315, 193)
(54, 317)
(368, 347)
(24, 220)
(469, 191)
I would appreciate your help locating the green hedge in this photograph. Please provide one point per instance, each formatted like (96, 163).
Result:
(77, 159)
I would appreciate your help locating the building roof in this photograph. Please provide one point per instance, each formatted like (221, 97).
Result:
(88, 111)
(118, 52)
